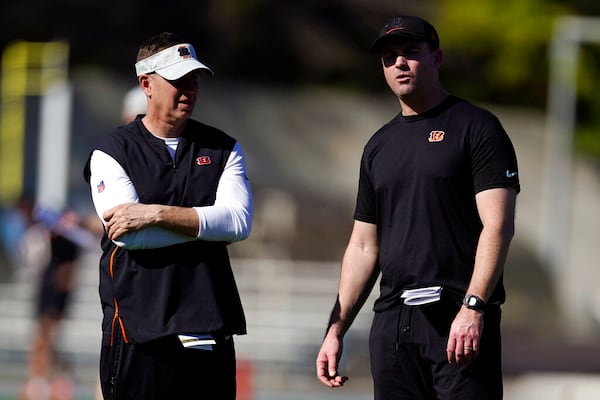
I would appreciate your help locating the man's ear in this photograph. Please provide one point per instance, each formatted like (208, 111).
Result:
(438, 57)
(145, 83)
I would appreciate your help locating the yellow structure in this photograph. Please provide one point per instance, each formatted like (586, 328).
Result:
(28, 69)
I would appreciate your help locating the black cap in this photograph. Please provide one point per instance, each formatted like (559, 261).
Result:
(406, 26)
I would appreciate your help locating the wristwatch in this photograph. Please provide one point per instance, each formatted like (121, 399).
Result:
(474, 302)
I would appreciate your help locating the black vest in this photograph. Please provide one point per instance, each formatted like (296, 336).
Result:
(184, 288)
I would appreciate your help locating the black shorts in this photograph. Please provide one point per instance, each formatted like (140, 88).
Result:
(164, 369)
(409, 359)
(53, 298)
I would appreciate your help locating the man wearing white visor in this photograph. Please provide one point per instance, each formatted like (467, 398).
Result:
(172, 194)
(171, 63)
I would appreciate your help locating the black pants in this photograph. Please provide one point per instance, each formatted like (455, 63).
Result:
(163, 369)
(409, 360)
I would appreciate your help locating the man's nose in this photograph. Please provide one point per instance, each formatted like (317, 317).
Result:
(400, 61)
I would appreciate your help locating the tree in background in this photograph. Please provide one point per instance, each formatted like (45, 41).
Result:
(503, 44)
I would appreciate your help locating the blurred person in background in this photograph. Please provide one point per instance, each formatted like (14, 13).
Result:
(14, 222)
(435, 216)
(172, 193)
(134, 104)
(50, 247)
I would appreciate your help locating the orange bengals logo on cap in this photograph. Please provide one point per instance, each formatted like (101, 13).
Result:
(436, 136)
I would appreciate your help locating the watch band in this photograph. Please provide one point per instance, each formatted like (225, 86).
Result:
(474, 302)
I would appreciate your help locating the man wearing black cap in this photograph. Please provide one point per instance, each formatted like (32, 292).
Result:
(172, 193)
(435, 216)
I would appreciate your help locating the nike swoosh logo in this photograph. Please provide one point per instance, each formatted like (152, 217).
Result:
(511, 174)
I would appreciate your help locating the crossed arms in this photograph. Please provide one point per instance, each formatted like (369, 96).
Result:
(133, 225)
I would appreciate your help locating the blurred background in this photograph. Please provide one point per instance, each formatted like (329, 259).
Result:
(296, 86)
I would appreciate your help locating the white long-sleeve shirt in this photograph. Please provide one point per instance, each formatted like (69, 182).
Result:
(228, 219)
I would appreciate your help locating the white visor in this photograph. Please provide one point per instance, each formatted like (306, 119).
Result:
(171, 63)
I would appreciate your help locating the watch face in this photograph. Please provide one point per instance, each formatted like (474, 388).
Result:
(472, 301)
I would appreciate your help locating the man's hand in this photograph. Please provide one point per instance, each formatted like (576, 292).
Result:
(465, 336)
(128, 217)
(327, 362)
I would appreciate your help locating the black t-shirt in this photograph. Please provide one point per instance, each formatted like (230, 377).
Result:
(418, 179)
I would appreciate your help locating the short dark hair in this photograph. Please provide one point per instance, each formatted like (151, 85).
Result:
(159, 42)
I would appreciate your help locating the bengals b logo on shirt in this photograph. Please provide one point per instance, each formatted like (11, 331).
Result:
(436, 136)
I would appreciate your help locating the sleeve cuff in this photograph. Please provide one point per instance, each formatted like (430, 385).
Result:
(200, 219)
